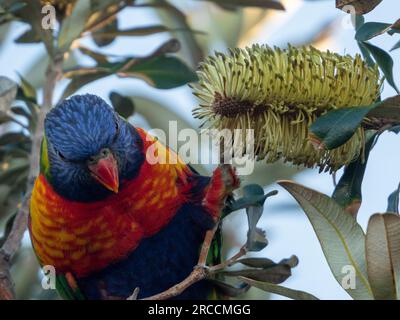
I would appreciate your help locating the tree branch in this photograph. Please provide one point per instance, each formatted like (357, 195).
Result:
(200, 272)
(106, 19)
(13, 241)
(229, 262)
(205, 248)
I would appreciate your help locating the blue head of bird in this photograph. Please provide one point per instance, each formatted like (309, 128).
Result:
(88, 150)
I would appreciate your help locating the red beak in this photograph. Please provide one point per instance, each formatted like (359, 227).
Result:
(105, 171)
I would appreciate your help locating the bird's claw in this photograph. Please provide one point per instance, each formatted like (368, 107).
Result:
(223, 181)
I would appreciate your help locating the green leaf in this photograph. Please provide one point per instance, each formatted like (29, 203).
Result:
(79, 81)
(348, 191)
(98, 57)
(13, 138)
(395, 28)
(32, 14)
(283, 291)
(109, 29)
(173, 17)
(138, 31)
(21, 111)
(395, 129)
(28, 90)
(29, 36)
(360, 21)
(393, 201)
(30, 104)
(123, 105)
(161, 72)
(16, 6)
(229, 290)
(336, 127)
(388, 111)
(8, 91)
(341, 237)
(266, 4)
(396, 46)
(15, 168)
(366, 54)
(101, 5)
(265, 263)
(9, 10)
(385, 62)
(370, 30)
(74, 24)
(256, 240)
(383, 255)
(7, 229)
(10, 198)
(275, 274)
(255, 199)
(257, 262)
(4, 118)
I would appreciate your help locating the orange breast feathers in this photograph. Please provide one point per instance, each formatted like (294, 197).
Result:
(85, 237)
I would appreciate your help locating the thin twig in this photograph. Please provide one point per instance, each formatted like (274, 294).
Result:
(200, 272)
(205, 248)
(11, 245)
(13, 241)
(105, 20)
(12, 118)
(229, 262)
(9, 249)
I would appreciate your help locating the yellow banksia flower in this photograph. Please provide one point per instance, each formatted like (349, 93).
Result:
(279, 94)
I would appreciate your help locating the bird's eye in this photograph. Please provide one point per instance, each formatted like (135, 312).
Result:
(104, 152)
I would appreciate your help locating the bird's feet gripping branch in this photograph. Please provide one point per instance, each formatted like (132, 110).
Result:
(223, 181)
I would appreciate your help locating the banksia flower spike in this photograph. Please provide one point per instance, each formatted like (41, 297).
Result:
(280, 93)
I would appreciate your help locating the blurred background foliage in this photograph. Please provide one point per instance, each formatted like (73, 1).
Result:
(163, 49)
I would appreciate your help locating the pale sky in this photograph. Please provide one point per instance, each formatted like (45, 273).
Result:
(290, 231)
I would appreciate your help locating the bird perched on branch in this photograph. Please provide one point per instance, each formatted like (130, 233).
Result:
(108, 217)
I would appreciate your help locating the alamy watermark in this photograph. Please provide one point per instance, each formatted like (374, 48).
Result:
(49, 278)
(349, 278)
(349, 21)
(209, 146)
(49, 18)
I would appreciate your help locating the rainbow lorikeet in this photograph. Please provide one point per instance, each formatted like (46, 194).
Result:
(108, 219)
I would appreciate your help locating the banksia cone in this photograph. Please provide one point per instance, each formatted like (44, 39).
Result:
(280, 93)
